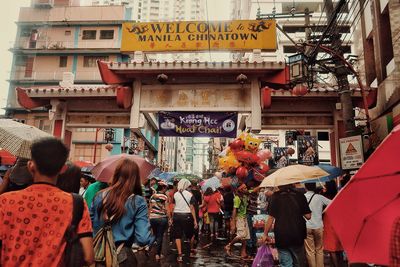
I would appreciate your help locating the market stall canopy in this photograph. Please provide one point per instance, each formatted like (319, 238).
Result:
(17, 138)
(364, 211)
(293, 174)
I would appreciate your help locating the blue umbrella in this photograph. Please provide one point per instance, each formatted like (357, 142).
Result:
(155, 173)
(213, 182)
(167, 176)
(332, 170)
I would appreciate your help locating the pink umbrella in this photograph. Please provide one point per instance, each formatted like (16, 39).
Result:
(104, 170)
(364, 211)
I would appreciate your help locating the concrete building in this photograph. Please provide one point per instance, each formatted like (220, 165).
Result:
(378, 50)
(58, 43)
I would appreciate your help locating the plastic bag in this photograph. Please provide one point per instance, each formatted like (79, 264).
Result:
(264, 257)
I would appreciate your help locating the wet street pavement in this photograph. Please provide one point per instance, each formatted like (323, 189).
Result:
(210, 256)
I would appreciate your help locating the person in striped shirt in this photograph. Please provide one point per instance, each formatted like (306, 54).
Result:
(159, 215)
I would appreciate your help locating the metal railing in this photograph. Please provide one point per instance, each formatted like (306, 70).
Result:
(54, 75)
(49, 44)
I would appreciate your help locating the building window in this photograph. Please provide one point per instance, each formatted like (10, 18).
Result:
(25, 32)
(86, 152)
(107, 34)
(20, 61)
(90, 61)
(89, 35)
(86, 130)
(63, 62)
(323, 136)
(67, 33)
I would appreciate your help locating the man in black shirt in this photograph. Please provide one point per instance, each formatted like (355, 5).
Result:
(288, 208)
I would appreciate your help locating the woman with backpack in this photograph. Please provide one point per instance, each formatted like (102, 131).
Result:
(184, 217)
(120, 218)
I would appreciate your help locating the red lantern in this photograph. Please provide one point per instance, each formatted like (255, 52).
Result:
(109, 147)
(265, 97)
(242, 172)
(300, 90)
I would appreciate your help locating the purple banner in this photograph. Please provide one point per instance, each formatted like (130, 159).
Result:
(198, 124)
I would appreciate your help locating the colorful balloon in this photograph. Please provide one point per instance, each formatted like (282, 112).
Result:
(236, 145)
(242, 172)
(251, 143)
(228, 162)
(263, 168)
(243, 136)
(247, 157)
(264, 154)
(258, 176)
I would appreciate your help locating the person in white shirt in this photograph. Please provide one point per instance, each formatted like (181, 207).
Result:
(184, 221)
(315, 227)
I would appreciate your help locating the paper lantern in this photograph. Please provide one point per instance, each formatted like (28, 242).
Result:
(300, 90)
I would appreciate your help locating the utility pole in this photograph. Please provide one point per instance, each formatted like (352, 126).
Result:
(341, 73)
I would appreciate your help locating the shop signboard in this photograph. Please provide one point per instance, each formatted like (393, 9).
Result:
(351, 152)
(199, 35)
(290, 137)
(307, 150)
(198, 124)
(281, 158)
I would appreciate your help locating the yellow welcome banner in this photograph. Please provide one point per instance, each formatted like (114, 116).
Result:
(199, 35)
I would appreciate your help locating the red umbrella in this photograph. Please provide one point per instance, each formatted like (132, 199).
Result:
(363, 213)
(104, 170)
(82, 163)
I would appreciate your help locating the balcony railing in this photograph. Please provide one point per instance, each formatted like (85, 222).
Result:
(54, 75)
(61, 45)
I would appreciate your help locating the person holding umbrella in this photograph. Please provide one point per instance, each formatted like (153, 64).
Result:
(123, 206)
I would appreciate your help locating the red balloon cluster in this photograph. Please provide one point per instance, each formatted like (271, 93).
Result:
(245, 160)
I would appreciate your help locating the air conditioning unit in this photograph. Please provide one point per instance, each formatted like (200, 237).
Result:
(43, 3)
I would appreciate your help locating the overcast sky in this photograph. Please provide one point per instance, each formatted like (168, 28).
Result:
(218, 10)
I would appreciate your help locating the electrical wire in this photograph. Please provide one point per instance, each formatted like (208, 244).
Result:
(358, 17)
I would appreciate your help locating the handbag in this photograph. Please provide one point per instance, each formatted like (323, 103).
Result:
(73, 256)
(264, 257)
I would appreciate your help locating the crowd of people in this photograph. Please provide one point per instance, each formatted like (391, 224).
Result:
(37, 212)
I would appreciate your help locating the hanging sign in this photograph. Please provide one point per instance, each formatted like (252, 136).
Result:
(351, 152)
(199, 35)
(194, 124)
(281, 157)
(307, 150)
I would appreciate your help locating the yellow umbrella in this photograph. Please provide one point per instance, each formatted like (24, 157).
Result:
(293, 174)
